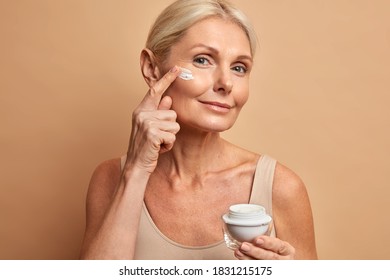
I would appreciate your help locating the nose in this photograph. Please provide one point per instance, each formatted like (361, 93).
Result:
(223, 80)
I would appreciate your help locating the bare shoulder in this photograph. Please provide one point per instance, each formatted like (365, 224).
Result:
(106, 175)
(102, 186)
(292, 212)
(287, 186)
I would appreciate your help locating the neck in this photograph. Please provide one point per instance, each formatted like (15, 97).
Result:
(193, 155)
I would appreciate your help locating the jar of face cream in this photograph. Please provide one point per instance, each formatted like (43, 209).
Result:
(244, 222)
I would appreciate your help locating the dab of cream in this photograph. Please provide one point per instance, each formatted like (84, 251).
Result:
(186, 74)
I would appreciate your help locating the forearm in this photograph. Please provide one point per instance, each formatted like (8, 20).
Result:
(112, 233)
(117, 233)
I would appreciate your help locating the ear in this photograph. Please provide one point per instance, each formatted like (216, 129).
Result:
(149, 67)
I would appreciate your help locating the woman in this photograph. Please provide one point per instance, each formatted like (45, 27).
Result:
(165, 198)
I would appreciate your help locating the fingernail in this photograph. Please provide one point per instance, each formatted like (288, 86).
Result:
(259, 242)
(174, 69)
(238, 254)
(245, 247)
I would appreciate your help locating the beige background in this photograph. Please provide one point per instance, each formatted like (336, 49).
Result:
(69, 79)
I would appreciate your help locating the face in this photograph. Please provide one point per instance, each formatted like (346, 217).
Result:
(218, 54)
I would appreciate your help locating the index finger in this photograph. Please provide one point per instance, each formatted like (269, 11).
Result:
(153, 97)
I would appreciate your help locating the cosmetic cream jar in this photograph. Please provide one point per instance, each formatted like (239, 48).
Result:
(244, 222)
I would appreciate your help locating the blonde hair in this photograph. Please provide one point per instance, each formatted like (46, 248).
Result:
(175, 19)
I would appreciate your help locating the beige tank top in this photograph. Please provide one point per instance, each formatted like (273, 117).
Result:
(152, 244)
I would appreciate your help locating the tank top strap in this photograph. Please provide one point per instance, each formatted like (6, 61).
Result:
(123, 161)
(262, 183)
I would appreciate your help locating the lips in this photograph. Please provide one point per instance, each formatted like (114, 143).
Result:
(217, 107)
(217, 104)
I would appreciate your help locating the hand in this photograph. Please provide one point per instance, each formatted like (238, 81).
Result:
(154, 125)
(265, 248)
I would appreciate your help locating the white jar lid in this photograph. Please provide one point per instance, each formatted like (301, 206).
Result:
(246, 215)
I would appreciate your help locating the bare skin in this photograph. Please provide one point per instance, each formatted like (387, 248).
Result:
(176, 122)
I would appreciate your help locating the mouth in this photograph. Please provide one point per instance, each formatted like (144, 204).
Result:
(217, 106)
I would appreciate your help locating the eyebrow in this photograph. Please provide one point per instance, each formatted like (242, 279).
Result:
(214, 50)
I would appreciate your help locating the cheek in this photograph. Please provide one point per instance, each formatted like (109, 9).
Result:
(242, 95)
(191, 88)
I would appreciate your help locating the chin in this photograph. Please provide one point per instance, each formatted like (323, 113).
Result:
(209, 126)
(218, 127)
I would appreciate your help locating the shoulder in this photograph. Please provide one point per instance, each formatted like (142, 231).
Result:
(107, 168)
(287, 186)
(104, 179)
(290, 200)
(292, 212)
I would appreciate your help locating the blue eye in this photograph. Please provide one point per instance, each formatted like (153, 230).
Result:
(201, 61)
(240, 69)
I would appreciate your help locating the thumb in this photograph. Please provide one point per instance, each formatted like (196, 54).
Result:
(165, 103)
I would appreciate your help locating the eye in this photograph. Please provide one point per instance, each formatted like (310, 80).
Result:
(240, 69)
(201, 60)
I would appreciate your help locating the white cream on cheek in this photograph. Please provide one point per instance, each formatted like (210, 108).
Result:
(186, 74)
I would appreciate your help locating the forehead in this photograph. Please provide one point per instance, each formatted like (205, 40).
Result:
(217, 33)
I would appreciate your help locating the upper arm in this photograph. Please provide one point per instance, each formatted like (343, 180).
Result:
(102, 187)
(292, 213)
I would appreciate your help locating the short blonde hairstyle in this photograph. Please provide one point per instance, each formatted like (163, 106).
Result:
(175, 19)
